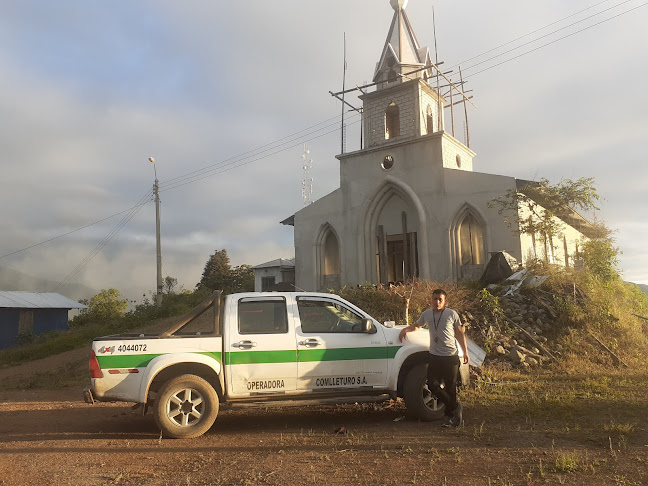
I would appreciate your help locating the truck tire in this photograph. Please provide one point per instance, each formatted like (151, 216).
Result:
(420, 402)
(185, 407)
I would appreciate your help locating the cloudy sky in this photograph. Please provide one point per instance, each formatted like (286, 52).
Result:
(224, 95)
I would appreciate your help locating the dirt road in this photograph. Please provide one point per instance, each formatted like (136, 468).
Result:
(52, 437)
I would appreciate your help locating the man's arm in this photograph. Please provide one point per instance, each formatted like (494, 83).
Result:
(405, 330)
(461, 337)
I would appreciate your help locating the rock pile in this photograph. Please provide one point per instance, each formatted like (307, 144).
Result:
(532, 318)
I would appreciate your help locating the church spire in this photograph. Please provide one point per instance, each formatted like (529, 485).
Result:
(402, 52)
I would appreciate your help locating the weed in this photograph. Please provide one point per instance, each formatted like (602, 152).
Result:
(625, 429)
(479, 432)
(567, 462)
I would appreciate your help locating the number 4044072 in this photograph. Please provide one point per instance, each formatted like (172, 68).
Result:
(131, 347)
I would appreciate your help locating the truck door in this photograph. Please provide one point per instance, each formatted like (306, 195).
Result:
(260, 350)
(333, 352)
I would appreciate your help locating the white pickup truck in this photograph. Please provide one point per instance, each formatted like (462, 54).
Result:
(270, 348)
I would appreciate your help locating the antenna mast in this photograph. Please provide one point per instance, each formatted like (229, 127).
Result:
(307, 183)
(343, 90)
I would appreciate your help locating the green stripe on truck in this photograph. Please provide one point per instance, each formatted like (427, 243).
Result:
(138, 360)
(261, 357)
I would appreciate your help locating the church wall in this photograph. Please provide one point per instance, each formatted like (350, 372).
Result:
(309, 222)
(556, 254)
(477, 189)
(451, 150)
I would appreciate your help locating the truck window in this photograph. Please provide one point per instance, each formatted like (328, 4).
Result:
(318, 316)
(262, 316)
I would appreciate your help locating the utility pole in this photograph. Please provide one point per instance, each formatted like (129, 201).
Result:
(158, 296)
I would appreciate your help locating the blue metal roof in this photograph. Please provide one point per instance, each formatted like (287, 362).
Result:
(36, 300)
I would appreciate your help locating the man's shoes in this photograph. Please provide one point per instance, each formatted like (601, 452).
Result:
(447, 421)
(457, 416)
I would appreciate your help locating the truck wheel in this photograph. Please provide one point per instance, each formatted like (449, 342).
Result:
(186, 407)
(419, 401)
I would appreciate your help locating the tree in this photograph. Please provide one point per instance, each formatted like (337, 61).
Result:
(219, 275)
(600, 258)
(545, 203)
(169, 285)
(243, 278)
(217, 271)
(540, 206)
(106, 305)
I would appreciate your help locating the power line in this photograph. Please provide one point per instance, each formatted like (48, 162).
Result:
(557, 40)
(196, 175)
(72, 231)
(252, 153)
(532, 32)
(215, 170)
(549, 34)
(133, 211)
(272, 146)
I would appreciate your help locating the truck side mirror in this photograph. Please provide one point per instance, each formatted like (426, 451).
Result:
(368, 326)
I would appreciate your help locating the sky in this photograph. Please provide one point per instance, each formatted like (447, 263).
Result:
(225, 94)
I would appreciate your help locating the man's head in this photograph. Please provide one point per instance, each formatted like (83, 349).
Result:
(439, 299)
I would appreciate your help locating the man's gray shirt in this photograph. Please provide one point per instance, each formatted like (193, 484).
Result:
(441, 326)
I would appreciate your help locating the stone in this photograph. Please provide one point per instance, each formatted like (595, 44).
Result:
(497, 269)
(516, 355)
(500, 350)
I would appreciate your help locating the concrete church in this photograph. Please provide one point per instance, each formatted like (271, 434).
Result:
(410, 204)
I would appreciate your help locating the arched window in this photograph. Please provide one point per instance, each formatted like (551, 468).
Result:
(392, 121)
(471, 241)
(328, 255)
(331, 255)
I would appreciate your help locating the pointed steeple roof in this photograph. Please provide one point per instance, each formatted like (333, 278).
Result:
(401, 46)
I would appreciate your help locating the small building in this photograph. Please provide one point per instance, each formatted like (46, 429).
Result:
(277, 275)
(22, 313)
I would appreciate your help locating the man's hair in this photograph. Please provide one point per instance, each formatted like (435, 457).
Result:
(440, 292)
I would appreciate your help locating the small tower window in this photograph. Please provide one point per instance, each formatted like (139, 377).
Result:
(429, 120)
(392, 121)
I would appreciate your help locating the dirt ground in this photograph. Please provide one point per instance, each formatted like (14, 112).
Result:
(52, 437)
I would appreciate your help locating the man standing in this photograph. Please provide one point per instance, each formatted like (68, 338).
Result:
(445, 330)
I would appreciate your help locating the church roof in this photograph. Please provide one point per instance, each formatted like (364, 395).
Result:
(401, 43)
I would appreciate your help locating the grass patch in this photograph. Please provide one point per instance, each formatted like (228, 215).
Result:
(52, 343)
(567, 462)
(73, 374)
